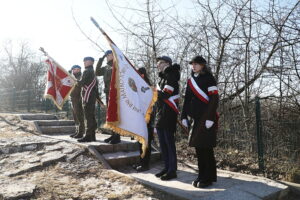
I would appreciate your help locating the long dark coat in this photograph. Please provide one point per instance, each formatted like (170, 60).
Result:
(199, 112)
(166, 117)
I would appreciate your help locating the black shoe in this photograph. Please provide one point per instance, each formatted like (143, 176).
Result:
(135, 166)
(78, 135)
(107, 140)
(85, 139)
(142, 168)
(93, 137)
(115, 140)
(73, 135)
(168, 176)
(163, 172)
(203, 184)
(196, 181)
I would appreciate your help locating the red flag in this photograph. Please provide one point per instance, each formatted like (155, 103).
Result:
(59, 83)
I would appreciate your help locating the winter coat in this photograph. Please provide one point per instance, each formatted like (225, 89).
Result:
(199, 112)
(76, 92)
(87, 78)
(166, 117)
(106, 72)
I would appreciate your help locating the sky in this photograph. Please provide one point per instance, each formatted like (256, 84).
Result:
(49, 24)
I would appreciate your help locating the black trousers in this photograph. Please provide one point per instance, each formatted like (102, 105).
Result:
(146, 160)
(89, 113)
(206, 164)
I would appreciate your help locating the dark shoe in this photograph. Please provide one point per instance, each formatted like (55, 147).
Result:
(115, 140)
(78, 136)
(196, 181)
(135, 166)
(107, 140)
(85, 139)
(73, 135)
(168, 176)
(204, 184)
(142, 168)
(93, 137)
(163, 172)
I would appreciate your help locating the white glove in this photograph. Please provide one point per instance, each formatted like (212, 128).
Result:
(209, 124)
(155, 130)
(184, 122)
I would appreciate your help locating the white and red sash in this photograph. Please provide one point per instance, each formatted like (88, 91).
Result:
(171, 101)
(197, 91)
(87, 90)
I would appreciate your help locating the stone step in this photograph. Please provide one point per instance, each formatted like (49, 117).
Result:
(57, 130)
(39, 116)
(55, 122)
(122, 146)
(122, 158)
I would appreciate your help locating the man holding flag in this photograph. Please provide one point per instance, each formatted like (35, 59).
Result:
(129, 95)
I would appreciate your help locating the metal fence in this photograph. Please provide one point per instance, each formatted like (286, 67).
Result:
(263, 131)
(12, 100)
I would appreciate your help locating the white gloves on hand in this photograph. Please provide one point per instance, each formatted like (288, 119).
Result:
(184, 122)
(209, 124)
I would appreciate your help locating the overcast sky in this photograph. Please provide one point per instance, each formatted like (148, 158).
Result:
(49, 24)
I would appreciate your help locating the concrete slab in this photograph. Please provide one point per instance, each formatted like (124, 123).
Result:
(230, 185)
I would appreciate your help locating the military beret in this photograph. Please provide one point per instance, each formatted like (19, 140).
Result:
(75, 66)
(108, 52)
(89, 58)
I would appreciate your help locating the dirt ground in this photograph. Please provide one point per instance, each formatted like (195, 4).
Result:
(82, 178)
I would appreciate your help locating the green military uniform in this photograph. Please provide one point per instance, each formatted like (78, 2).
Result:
(77, 109)
(89, 86)
(106, 72)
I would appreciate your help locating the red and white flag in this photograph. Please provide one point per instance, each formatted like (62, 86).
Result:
(130, 100)
(59, 83)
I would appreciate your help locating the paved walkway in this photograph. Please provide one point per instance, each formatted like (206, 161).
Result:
(230, 186)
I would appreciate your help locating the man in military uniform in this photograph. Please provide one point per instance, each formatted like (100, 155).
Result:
(89, 85)
(106, 72)
(77, 104)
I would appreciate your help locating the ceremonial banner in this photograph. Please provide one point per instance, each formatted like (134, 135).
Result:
(130, 100)
(59, 83)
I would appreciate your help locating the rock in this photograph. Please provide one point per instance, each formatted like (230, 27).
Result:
(25, 168)
(17, 190)
(53, 148)
(30, 147)
(52, 157)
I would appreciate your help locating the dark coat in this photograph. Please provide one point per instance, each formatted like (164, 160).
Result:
(76, 92)
(199, 112)
(87, 77)
(166, 117)
(106, 72)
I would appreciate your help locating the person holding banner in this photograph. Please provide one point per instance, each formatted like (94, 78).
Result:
(144, 162)
(106, 72)
(200, 104)
(89, 86)
(166, 114)
(77, 104)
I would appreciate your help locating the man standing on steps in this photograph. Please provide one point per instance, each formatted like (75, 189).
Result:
(77, 104)
(89, 85)
(106, 73)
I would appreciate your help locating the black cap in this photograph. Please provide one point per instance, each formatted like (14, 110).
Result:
(199, 60)
(165, 58)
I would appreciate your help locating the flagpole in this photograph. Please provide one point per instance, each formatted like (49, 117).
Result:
(110, 40)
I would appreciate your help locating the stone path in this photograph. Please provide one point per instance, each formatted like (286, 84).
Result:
(31, 153)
